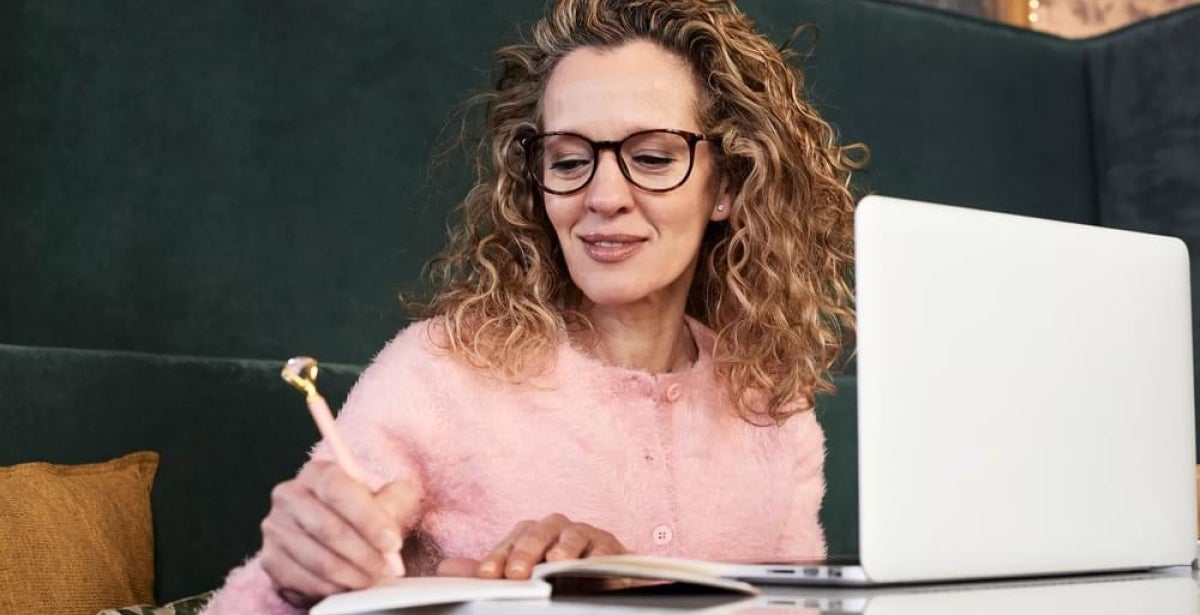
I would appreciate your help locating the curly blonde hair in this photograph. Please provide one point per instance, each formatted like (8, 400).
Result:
(773, 280)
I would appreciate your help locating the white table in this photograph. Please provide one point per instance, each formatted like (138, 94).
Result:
(1171, 592)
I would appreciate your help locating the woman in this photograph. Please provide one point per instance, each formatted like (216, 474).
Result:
(644, 296)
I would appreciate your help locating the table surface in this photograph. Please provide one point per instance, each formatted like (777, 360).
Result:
(1167, 592)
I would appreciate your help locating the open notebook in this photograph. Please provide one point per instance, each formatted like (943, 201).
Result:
(422, 591)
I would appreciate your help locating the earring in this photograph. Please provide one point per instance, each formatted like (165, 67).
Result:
(721, 208)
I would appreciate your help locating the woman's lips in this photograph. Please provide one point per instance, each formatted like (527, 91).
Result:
(611, 248)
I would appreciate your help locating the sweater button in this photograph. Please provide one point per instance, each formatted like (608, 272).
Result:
(674, 392)
(662, 535)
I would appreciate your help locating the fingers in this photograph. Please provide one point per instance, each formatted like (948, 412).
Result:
(458, 567)
(327, 532)
(492, 566)
(401, 504)
(572, 544)
(603, 543)
(529, 549)
(294, 561)
(356, 504)
(341, 514)
(551, 539)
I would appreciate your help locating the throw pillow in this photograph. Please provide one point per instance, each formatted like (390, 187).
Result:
(76, 538)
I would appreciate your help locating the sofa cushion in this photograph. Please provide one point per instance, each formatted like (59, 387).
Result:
(76, 537)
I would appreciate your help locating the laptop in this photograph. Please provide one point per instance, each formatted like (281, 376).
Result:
(1024, 400)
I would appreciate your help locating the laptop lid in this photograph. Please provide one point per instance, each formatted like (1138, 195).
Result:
(1025, 395)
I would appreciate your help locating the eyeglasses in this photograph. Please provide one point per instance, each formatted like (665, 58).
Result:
(653, 160)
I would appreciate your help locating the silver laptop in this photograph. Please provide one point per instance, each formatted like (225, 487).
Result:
(1024, 400)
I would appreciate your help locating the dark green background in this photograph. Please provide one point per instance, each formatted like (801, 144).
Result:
(250, 179)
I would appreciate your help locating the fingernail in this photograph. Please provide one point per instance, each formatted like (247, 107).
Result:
(518, 569)
(487, 568)
(555, 554)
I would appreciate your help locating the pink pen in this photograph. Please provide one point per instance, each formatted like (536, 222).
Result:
(301, 372)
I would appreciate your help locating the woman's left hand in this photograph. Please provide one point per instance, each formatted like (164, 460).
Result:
(530, 543)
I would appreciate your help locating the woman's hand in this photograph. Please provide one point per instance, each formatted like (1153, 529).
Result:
(327, 533)
(530, 543)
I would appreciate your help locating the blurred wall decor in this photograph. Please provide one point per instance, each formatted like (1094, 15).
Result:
(1066, 18)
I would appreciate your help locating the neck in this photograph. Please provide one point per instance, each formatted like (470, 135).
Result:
(652, 340)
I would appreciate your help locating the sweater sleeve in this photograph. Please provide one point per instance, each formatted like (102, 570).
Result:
(384, 421)
(803, 537)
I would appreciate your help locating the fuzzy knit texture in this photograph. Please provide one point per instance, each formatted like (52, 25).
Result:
(659, 460)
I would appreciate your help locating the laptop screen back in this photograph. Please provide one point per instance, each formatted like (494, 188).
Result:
(1025, 395)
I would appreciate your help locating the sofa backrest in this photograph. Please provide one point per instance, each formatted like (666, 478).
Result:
(226, 431)
(1144, 84)
(255, 181)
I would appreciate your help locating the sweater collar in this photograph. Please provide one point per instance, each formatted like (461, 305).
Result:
(574, 361)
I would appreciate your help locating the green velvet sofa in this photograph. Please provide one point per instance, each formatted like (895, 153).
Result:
(190, 193)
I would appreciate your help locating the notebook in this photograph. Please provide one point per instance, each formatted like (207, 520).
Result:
(611, 572)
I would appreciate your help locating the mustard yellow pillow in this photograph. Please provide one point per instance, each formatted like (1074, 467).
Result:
(76, 539)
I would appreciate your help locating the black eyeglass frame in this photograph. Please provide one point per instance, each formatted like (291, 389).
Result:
(531, 167)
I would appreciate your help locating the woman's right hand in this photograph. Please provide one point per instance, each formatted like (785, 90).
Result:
(327, 533)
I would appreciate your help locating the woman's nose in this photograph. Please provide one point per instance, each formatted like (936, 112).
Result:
(609, 193)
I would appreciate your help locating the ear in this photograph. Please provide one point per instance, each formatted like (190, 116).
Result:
(723, 205)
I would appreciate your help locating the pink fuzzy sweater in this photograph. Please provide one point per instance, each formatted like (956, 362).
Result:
(659, 460)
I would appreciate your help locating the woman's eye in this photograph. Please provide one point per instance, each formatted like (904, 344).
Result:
(569, 165)
(652, 161)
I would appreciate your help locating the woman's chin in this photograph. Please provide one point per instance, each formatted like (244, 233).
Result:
(612, 298)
